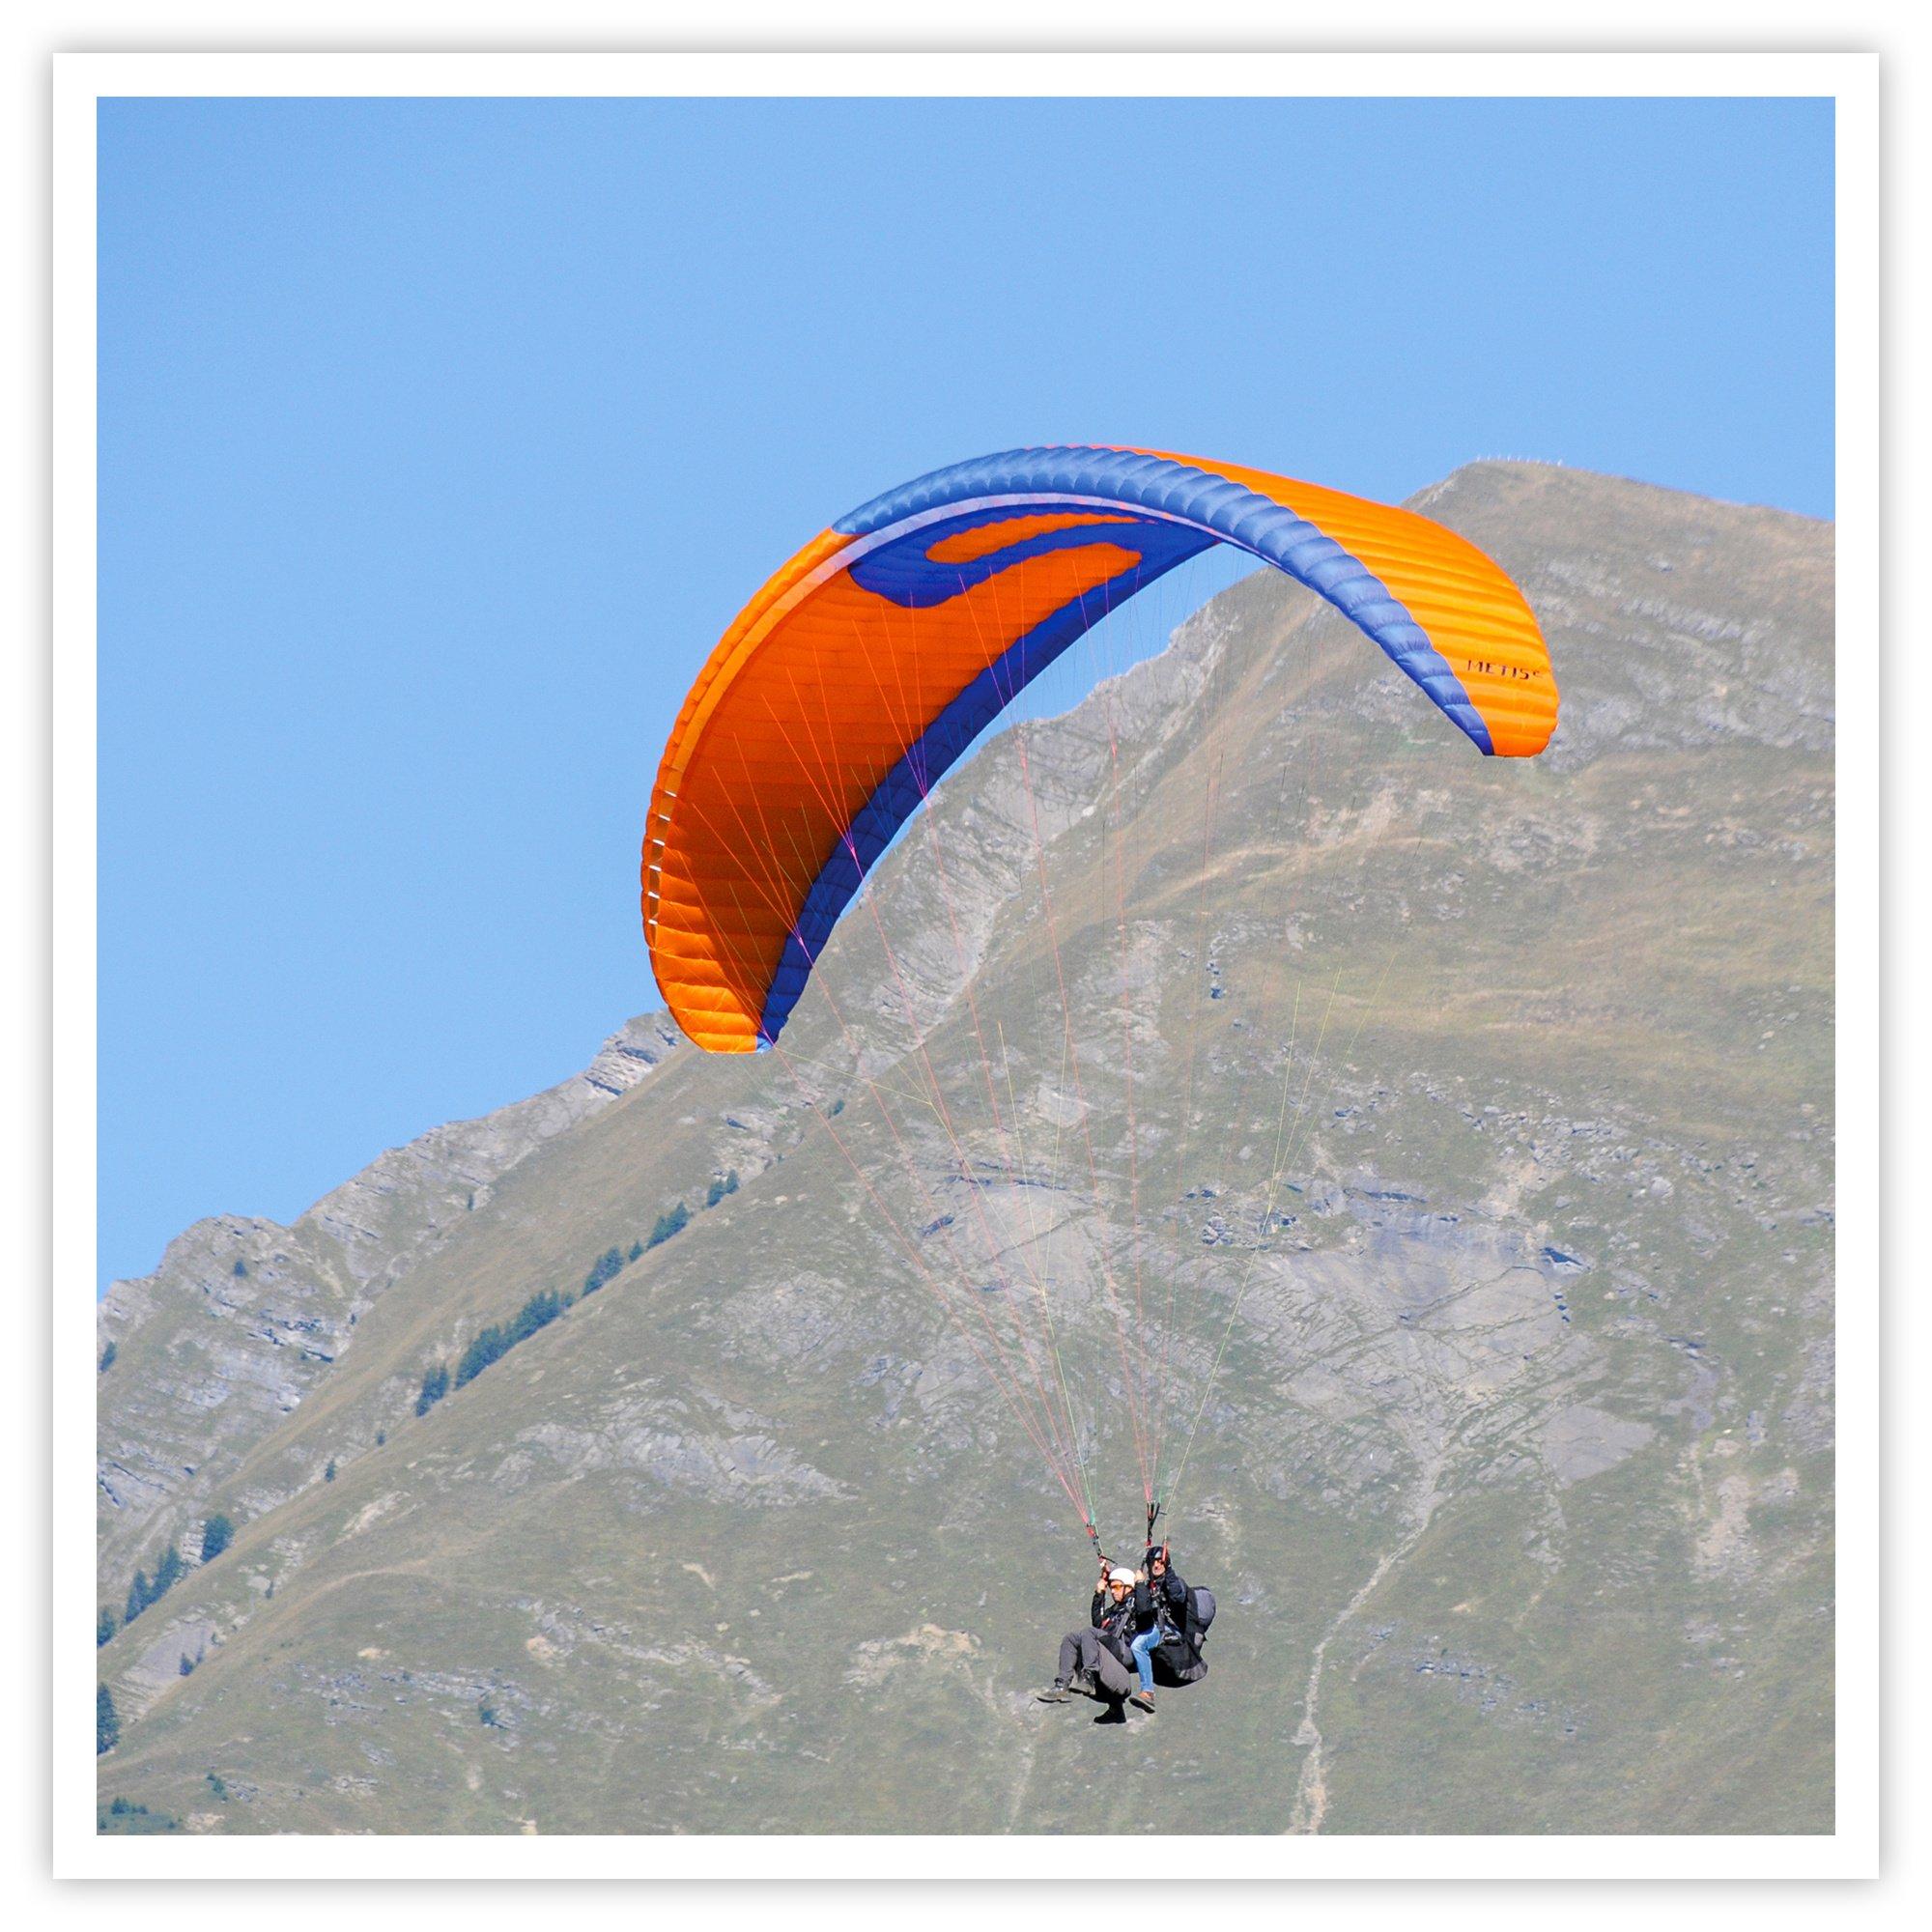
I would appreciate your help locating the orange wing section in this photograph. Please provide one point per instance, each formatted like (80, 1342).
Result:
(863, 668)
(807, 705)
(1471, 608)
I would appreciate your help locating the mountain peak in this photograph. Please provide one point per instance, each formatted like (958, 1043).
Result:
(1424, 1160)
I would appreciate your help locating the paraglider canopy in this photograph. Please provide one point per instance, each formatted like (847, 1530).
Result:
(861, 672)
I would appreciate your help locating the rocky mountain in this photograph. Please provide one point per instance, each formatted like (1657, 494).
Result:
(1417, 1166)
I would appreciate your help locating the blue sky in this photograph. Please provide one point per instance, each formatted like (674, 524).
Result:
(440, 439)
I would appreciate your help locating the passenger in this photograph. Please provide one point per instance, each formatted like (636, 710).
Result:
(1096, 1660)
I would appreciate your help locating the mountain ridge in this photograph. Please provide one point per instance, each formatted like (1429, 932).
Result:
(1505, 1330)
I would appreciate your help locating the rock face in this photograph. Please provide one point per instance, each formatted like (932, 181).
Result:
(1416, 1168)
(244, 1318)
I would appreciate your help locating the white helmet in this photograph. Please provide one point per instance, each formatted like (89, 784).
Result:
(1121, 1574)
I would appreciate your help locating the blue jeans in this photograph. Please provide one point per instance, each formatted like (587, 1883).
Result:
(1144, 1647)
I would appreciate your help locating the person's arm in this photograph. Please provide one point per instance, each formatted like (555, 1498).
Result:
(1174, 1604)
(1096, 1616)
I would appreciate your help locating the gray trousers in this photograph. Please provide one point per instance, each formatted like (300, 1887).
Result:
(1085, 1650)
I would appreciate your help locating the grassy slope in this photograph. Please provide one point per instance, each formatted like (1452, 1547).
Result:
(746, 1541)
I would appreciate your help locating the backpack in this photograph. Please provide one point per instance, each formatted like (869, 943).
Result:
(1200, 1614)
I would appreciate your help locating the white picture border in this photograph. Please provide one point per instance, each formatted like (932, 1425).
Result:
(1852, 80)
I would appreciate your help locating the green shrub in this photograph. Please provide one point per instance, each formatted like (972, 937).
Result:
(125, 1819)
(435, 1386)
(494, 1343)
(606, 1268)
(144, 1591)
(669, 1225)
(490, 1345)
(538, 1312)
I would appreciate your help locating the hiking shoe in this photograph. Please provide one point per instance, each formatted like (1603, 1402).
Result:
(1054, 1693)
(1142, 1700)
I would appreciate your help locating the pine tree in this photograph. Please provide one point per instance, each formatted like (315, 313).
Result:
(538, 1312)
(490, 1345)
(607, 1266)
(669, 1225)
(435, 1386)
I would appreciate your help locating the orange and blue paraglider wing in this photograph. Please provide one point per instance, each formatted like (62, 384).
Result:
(852, 682)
